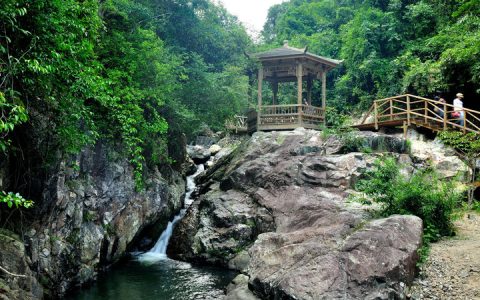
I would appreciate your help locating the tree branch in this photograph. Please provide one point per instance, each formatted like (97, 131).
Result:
(12, 274)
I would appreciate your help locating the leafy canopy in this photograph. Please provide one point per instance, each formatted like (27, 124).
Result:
(389, 47)
(130, 73)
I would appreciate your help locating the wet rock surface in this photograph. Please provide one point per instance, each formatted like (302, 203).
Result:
(277, 209)
(91, 215)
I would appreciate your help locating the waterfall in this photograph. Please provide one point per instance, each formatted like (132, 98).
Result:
(159, 251)
(162, 243)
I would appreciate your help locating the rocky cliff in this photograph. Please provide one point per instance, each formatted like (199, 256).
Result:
(277, 209)
(89, 217)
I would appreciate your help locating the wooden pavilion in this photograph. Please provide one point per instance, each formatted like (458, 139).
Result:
(289, 64)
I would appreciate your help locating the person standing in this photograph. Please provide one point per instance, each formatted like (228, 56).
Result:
(458, 109)
(439, 108)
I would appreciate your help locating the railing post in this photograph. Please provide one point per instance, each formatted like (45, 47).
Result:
(445, 116)
(375, 113)
(299, 92)
(259, 96)
(391, 109)
(426, 110)
(408, 110)
(300, 115)
(323, 113)
(465, 121)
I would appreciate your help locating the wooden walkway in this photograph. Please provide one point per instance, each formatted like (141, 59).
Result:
(407, 110)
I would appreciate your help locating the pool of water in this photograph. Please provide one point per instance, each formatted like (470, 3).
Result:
(163, 279)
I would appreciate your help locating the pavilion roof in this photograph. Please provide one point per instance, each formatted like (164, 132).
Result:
(286, 52)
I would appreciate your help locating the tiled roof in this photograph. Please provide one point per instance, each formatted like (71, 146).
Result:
(286, 51)
(282, 51)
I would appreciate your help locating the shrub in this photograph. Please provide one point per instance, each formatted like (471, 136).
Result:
(423, 194)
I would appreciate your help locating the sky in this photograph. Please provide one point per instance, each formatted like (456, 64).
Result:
(252, 13)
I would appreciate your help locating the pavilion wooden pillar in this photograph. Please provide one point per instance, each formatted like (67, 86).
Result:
(260, 86)
(324, 95)
(309, 90)
(300, 92)
(275, 91)
(251, 86)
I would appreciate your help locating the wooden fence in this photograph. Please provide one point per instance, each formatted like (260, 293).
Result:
(410, 109)
(289, 116)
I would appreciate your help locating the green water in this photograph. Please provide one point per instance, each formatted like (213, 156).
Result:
(163, 280)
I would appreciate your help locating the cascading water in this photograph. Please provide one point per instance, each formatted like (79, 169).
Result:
(159, 251)
(153, 275)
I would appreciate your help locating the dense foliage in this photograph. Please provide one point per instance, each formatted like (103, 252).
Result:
(137, 73)
(389, 47)
(468, 147)
(121, 71)
(421, 194)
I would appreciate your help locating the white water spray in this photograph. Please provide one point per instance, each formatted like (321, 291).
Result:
(159, 251)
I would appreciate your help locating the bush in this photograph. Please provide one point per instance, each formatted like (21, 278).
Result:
(423, 195)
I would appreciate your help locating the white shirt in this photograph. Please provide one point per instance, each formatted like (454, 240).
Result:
(457, 104)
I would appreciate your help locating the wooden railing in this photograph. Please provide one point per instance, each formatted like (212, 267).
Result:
(420, 111)
(289, 116)
(237, 124)
(284, 117)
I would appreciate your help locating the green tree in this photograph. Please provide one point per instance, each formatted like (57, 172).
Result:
(421, 194)
(115, 71)
(389, 47)
(468, 147)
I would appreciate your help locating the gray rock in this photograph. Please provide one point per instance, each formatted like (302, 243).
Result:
(281, 196)
(240, 261)
(439, 156)
(13, 258)
(199, 154)
(46, 252)
(89, 218)
(238, 289)
(214, 149)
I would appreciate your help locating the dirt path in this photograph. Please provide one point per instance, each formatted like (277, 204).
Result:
(453, 267)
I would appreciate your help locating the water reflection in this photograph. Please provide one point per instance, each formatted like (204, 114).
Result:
(163, 279)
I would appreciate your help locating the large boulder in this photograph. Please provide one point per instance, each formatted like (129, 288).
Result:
(198, 153)
(276, 208)
(371, 263)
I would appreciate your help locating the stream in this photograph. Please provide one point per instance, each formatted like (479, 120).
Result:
(152, 275)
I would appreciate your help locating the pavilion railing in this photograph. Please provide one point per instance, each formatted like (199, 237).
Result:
(237, 124)
(291, 114)
(421, 111)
